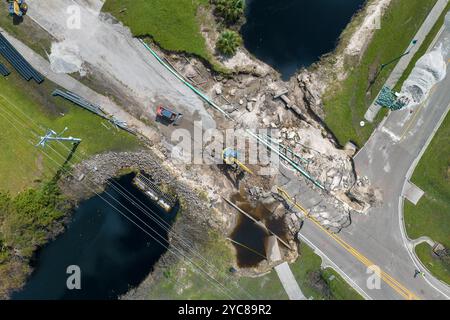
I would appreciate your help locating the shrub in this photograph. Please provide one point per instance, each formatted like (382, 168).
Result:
(230, 10)
(228, 42)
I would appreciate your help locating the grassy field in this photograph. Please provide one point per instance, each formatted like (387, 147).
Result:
(320, 283)
(431, 216)
(346, 103)
(182, 282)
(23, 165)
(436, 266)
(31, 206)
(172, 24)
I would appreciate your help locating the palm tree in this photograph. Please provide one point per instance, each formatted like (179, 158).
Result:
(228, 42)
(230, 10)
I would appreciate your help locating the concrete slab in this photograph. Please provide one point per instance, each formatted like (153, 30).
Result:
(273, 250)
(289, 283)
(413, 193)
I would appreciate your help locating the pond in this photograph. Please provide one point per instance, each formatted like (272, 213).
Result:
(249, 238)
(113, 254)
(291, 34)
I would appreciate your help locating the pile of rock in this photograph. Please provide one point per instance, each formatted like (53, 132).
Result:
(332, 167)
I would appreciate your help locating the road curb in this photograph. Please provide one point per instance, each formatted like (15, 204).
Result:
(405, 237)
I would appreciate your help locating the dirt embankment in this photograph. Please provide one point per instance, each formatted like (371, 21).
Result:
(331, 68)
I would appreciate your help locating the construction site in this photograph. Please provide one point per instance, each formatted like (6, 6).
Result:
(243, 155)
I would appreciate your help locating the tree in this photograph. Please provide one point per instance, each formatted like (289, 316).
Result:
(228, 42)
(230, 10)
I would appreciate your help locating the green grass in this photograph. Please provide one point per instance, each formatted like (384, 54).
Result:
(346, 103)
(31, 206)
(423, 48)
(436, 266)
(431, 216)
(25, 224)
(28, 31)
(172, 24)
(21, 163)
(182, 282)
(316, 282)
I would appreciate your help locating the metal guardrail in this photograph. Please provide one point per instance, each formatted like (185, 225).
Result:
(18, 61)
(288, 152)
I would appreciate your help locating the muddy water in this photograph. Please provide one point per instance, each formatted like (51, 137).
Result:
(251, 236)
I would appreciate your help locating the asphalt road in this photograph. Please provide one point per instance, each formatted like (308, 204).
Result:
(388, 159)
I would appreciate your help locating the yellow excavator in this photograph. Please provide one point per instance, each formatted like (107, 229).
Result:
(230, 157)
(18, 8)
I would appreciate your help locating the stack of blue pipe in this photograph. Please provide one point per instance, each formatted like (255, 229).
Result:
(4, 71)
(18, 61)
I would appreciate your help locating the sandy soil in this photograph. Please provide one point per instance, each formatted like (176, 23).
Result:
(121, 59)
(372, 19)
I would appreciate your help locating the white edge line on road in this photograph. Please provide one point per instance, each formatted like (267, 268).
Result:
(336, 268)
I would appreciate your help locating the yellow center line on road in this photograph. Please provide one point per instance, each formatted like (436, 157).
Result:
(394, 284)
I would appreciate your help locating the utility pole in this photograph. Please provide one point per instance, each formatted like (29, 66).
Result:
(384, 65)
(53, 136)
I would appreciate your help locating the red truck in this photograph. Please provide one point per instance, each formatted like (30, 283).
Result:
(168, 115)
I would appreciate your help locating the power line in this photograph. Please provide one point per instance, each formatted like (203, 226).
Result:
(165, 225)
(121, 212)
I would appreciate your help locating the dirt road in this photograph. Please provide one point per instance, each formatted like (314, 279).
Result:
(108, 48)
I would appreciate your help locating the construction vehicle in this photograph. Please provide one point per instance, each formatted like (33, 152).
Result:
(230, 157)
(18, 8)
(168, 116)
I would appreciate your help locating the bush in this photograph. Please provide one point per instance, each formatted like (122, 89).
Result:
(26, 222)
(230, 10)
(228, 42)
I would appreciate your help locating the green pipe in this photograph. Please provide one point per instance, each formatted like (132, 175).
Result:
(273, 141)
(294, 165)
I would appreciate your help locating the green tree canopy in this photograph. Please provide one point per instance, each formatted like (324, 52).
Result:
(228, 42)
(230, 10)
